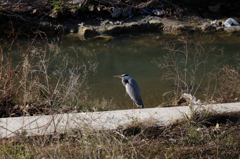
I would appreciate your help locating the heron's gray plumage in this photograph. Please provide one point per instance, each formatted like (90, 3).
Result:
(132, 89)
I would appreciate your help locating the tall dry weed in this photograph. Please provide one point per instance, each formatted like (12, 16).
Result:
(229, 85)
(190, 67)
(44, 81)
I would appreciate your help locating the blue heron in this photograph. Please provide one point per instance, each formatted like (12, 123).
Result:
(132, 89)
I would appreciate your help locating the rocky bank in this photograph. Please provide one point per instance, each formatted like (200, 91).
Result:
(58, 18)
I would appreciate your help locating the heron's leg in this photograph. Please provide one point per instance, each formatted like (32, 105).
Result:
(133, 105)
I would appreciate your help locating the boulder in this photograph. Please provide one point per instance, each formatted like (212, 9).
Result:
(116, 13)
(86, 31)
(157, 12)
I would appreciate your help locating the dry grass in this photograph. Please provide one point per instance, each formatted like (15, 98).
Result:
(204, 135)
(45, 80)
(193, 69)
(229, 85)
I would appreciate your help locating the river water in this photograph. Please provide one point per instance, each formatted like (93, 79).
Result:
(133, 54)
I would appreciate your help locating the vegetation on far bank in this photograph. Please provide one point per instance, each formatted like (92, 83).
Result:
(42, 10)
(32, 11)
(58, 17)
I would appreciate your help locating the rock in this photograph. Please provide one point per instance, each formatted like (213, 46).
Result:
(127, 12)
(105, 22)
(114, 28)
(54, 14)
(155, 22)
(214, 22)
(157, 12)
(214, 8)
(219, 28)
(232, 28)
(72, 29)
(129, 27)
(118, 23)
(74, 12)
(195, 28)
(91, 8)
(116, 13)
(86, 31)
(207, 26)
(98, 9)
(231, 22)
(35, 11)
(189, 99)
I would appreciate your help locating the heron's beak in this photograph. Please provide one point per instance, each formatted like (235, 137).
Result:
(119, 76)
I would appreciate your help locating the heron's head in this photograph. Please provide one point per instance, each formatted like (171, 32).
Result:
(121, 76)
